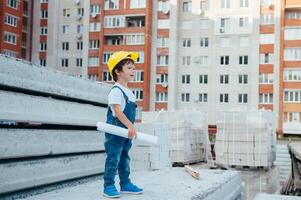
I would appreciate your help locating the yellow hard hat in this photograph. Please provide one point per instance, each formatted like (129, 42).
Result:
(118, 56)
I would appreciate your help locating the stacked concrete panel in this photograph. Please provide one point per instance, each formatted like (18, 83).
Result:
(189, 134)
(246, 138)
(146, 156)
(59, 141)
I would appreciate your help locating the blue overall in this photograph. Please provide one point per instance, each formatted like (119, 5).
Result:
(117, 148)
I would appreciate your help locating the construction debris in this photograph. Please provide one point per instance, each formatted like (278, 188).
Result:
(195, 174)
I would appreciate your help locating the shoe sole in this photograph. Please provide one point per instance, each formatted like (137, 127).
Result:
(126, 192)
(116, 196)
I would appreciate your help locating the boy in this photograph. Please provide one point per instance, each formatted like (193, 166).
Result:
(121, 112)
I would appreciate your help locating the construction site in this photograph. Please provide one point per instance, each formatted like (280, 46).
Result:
(50, 147)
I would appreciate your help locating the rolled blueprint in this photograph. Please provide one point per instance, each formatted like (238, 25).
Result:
(123, 132)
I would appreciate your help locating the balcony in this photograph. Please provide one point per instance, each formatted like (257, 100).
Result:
(135, 21)
(115, 40)
(293, 4)
(292, 128)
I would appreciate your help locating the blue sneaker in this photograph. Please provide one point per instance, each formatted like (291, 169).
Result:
(130, 188)
(111, 192)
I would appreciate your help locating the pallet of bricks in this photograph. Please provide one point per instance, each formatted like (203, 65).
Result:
(246, 138)
(152, 157)
(189, 134)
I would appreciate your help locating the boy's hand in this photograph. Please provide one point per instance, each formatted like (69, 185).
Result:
(132, 134)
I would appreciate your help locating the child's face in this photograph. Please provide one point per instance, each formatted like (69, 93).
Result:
(128, 72)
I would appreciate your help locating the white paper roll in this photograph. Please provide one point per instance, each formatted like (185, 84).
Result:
(123, 132)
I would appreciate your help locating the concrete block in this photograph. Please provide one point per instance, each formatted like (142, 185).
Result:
(30, 173)
(25, 75)
(26, 108)
(18, 143)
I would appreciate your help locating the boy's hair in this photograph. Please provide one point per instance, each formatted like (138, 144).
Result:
(119, 66)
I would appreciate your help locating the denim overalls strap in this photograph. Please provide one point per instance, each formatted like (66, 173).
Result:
(129, 110)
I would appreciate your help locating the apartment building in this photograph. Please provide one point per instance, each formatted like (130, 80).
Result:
(214, 55)
(290, 67)
(15, 28)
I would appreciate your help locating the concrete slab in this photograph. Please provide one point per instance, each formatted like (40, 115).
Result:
(169, 183)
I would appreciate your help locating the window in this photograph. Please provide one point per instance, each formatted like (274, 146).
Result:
(292, 96)
(266, 38)
(186, 79)
(225, 24)
(204, 5)
(267, 18)
(204, 24)
(79, 62)
(163, 24)
(225, 42)
(163, 42)
(114, 21)
(94, 9)
(65, 29)
(44, 14)
(203, 97)
(224, 79)
(44, 1)
(266, 78)
(266, 58)
(10, 53)
(225, 3)
(292, 33)
(292, 54)
(162, 60)
(138, 92)
(138, 76)
(106, 56)
(10, 38)
(106, 76)
(79, 28)
(243, 79)
(204, 42)
(244, 41)
(138, 4)
(10, 20)
(201, 60)
(43, 46)
(224, 60)
(80, 12)
(203, 79)
(111, 4)
(79, 45)
(94, 27)
(44, 30)
(187, 6)
(243, 60)
(137, 39)
(185, 97)
(66, 12)
(267, 3)
(293, 15)
(243, 22)
(292, 117)
(244, 3)
(43, 62)
(163, 6)
(161, 97)
(186, 42)
(243, 98)
(266, 98)
(93, 61)
(65, 46)
(94, 44)
(65, 62)
(93, 77)
(224, 98)
(186, 60)
(162, 78)
(12, 3)
(292, 75)
(140, 59)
